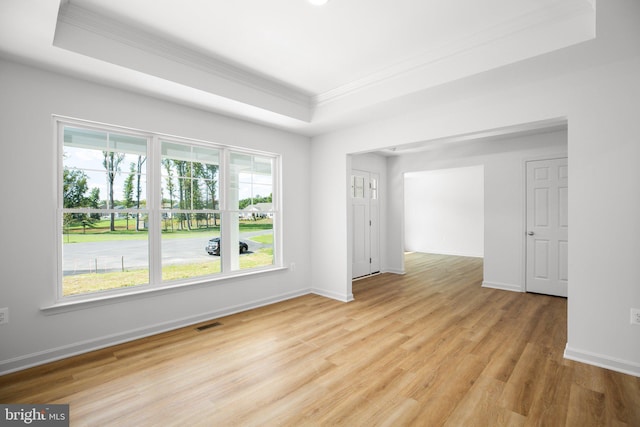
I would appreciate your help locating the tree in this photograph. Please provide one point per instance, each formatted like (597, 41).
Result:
(111, 164)
(196, 197)
(169, 183)
(209, 174)
(141, 160)
(74, 189)
(94, 202)
(183, 188)
(128, 189)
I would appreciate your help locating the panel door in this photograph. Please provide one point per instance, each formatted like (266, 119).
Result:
(547, 227)
(365, 227)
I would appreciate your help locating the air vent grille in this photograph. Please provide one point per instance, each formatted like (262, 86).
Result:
(208, 326)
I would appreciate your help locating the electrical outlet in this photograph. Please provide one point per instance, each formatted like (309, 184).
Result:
(4, 315)
(635, 316)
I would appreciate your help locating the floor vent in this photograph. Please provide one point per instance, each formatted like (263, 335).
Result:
(209, 325)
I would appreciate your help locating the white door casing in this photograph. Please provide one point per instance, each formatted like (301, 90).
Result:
(365, 227)
(547, 246)
(374, 224)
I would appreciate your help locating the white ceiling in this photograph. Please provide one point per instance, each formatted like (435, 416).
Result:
(286, 63)
(315, 49)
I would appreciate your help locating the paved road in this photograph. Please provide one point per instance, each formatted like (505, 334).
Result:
(111, 256)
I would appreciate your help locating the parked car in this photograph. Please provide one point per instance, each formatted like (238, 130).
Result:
(213, 247)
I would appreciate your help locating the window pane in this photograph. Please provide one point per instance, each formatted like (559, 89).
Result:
(186, 243)
(130, 183)
(128, 144)
(82, 158)
(189, 177)
(206, 155)
(251, 180)
(374, 188)
(357, 186)
(256, 231)
(95, 259)
(210, 189)
(185, 193)
(241, 162)
(82, 189)
(103, 170)
(262, 166)
(176, 151)
(104, 141)
(85, 138)
(185, 153)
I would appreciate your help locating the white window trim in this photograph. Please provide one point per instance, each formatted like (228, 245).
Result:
(153, 209)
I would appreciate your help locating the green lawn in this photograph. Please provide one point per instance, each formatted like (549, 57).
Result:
(265, 239)
(92, 282)
(101, 233)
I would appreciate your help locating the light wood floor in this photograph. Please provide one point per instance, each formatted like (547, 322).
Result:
(428, 348)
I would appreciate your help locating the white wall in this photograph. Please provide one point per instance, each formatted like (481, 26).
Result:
(28, 195)
(444, 211)
(595, 86)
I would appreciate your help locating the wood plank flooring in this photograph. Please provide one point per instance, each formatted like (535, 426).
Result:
(428, 348)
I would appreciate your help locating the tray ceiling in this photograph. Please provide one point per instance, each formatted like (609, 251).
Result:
(285, 62)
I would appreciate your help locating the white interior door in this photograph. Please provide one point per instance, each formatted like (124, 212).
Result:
(365, 227)
(547, 227)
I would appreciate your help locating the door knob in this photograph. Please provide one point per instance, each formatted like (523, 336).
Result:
(530, 233)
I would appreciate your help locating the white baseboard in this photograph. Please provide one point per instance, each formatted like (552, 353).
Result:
(437, 251)
(502, 286)
(394, 271)
(333, 295)
(51, 355)
(602, 361)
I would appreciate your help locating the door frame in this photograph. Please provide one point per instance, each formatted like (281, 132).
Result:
(523, 234)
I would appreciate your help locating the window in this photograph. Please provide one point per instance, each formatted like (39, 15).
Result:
(190, 215)
(373, 183)
(104, 215)
(251, 207)
(357, 186)
(140, 210)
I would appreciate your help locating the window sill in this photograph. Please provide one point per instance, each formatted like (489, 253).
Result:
(95, 300)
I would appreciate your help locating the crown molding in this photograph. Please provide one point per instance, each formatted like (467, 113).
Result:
(89, 33)
(493, 35)
(120, 33)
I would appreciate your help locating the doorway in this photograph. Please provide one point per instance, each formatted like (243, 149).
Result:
(444, 211)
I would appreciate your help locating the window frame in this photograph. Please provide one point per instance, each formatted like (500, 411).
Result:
(154, 210)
